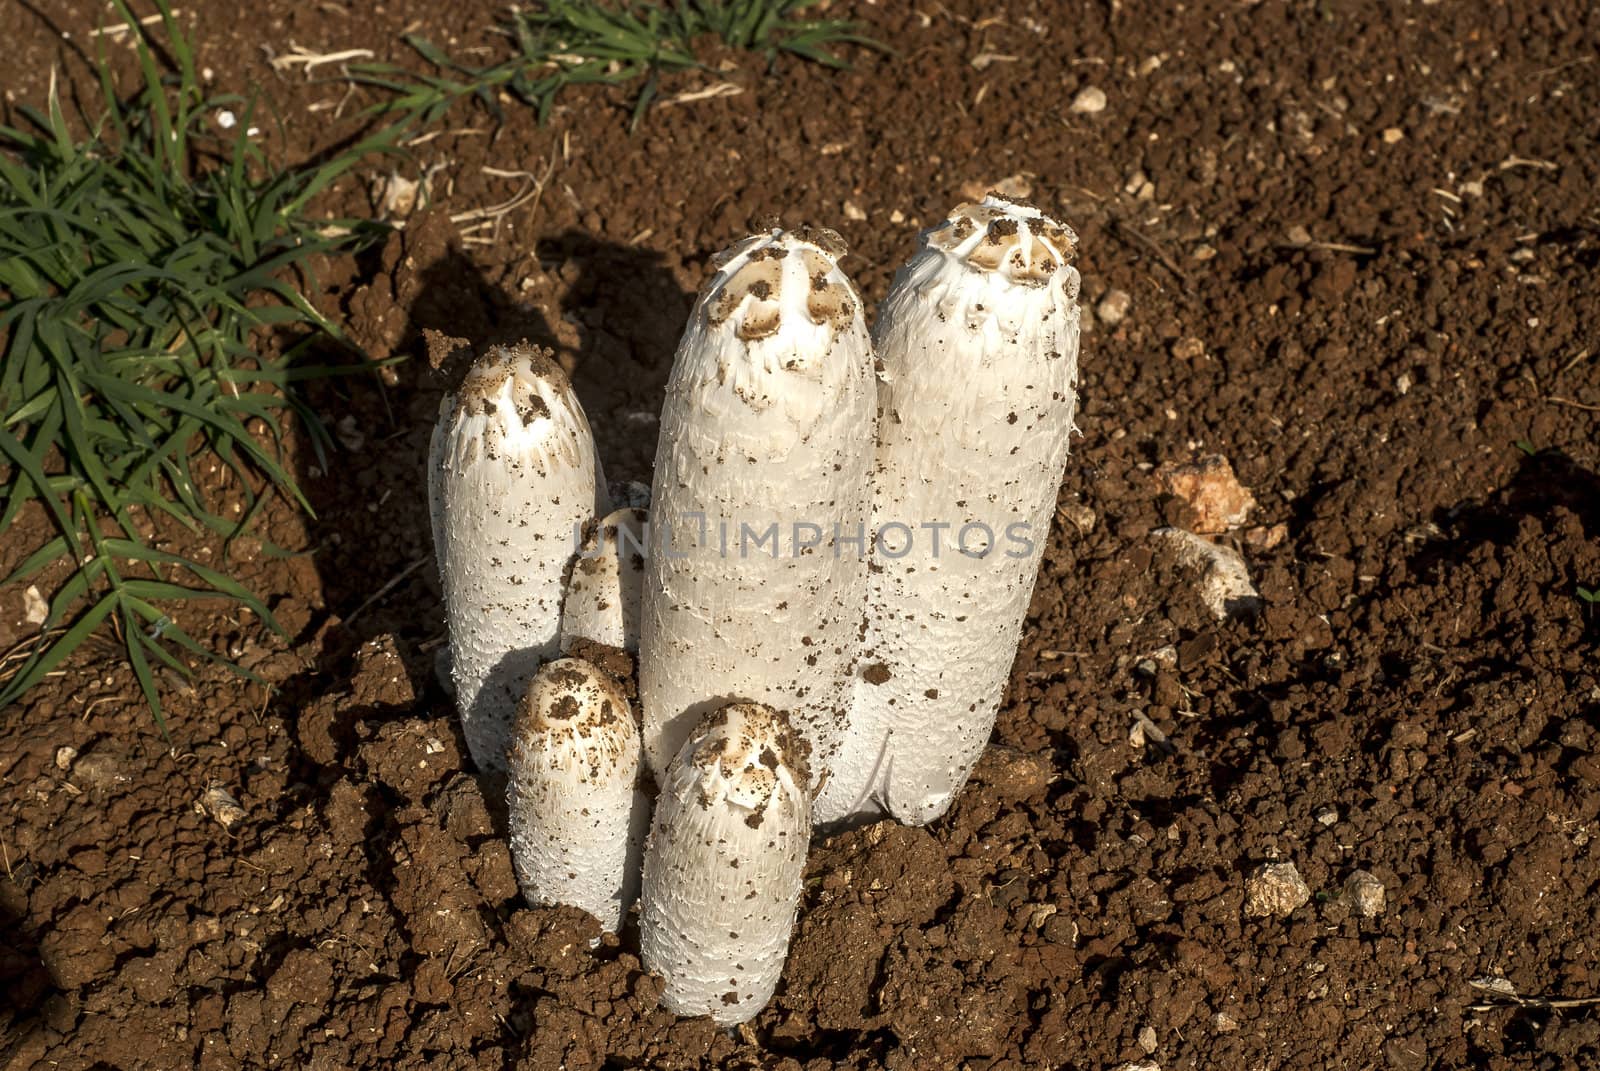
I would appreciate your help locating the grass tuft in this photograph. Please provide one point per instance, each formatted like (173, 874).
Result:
(136, 264)
(564, 43)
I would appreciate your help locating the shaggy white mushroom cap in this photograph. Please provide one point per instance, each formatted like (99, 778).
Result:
(724, 864)
(512, 475)
(603, 589)
(764, 456)
(978, 339)
(578, 819)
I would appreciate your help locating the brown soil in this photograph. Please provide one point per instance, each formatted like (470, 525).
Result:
(1360, 241)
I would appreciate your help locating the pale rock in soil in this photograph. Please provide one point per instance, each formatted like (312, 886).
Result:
(1090, 100)
(1274, 889)
(1188, 348)
(34, 607)
(1214, 494)
(1113, 308)
(1365, 894)
(1225, 587)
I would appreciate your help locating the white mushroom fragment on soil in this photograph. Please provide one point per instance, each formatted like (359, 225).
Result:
(756, 579)
(724, 863)
(512, 474)
(978, 339)
(602, 601)
(577, 816)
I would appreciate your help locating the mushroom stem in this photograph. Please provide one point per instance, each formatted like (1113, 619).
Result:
(577, 816)
(512, 474)
(756, 579)
(978, 338)
(724, 864)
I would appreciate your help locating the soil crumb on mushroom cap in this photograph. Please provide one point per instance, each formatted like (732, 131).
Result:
(779, 277)
(723, 867)
(515, 399)
(577, 816)
(998, 234)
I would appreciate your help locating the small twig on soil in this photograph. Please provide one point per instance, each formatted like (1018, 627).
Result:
(310, 59)
(385, 590)
(1583, 355)
(1562, 66)
(1128, 231)
(1522, 161)
(721, 89)
(1575, 404)
(479, 218)
(1333, 247)
(122, 27)
(1506, 997)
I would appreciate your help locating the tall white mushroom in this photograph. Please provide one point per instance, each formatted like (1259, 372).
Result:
(602, 602)
(511, 475)
(578, 819)
(724, 864)
(978, 337)
(756, 580)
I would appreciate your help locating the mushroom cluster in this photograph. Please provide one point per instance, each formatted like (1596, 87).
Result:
(823, 598)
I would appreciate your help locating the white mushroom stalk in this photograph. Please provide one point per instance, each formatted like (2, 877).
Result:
(978, 338)
(512, 474)
(602, 602)
(724, 864)
(578, 819)
(756, 579)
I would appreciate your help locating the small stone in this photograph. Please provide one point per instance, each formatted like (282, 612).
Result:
(1225, 587)
(1142, 1065)
(64, 756)
(1223, 1023)
(1402, 384)
(1298, 235)
(1147, 1039)
(1089, 101)
(1203, 253)
(99, 770)
(1113, 308)
(34, 607)
(852, 211)
(1327, 816)
(1266, 536)
(220, 804)
(1079, 516)
(1214, 494)
(1393, 135)
(1274, 889)
(1365, 894)
(1188, 348)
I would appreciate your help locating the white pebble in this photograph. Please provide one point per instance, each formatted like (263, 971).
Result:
(1113, 308)
(1089, 101)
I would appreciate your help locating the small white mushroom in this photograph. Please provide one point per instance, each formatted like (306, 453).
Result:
(577, 817)
(724, 863)
(602, 602)
(978, 339)
(756, 579)
(511, 476)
